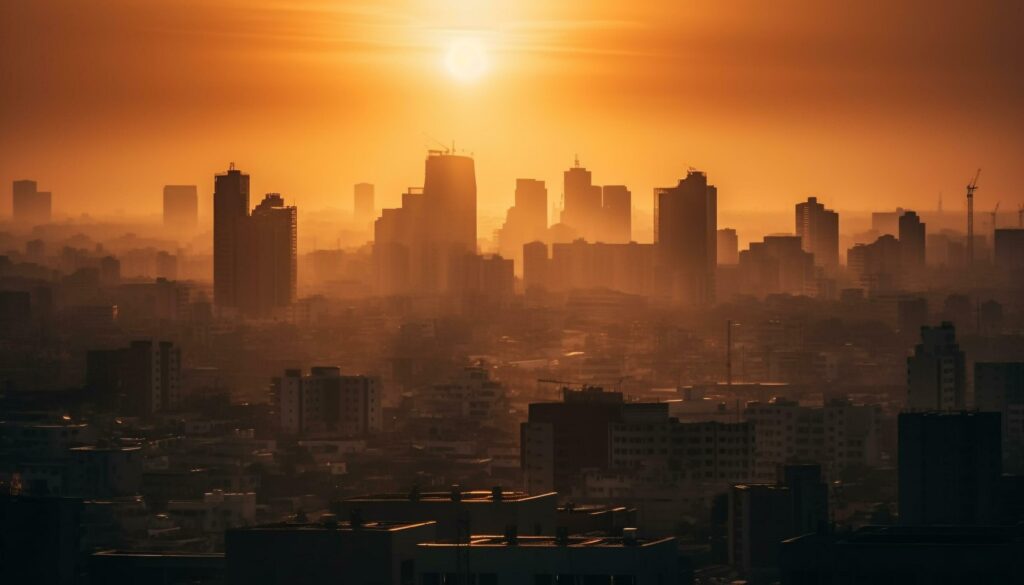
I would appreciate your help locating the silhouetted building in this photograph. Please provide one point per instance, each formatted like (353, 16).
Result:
(418, 247)
(912, 241)
(270, 263)
(487, 279)
(777, 265)
(728, 246)
(142, 379)
(760, 518)
(181, 207)
(877, 266)
(936, 373)
(526, 221)
(999, 387)
(617, 207)
(363, 206)
(536, 273)
(230, 212)
(906, 554)
(949, 468)
(355, 551)
(810, 497)
(818, 228)
(685, 234)
(326, 403)
(40, 540)
(628, 268)
(30, 206)
(582, 204)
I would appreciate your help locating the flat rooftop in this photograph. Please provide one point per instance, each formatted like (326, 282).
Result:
(375, 525)
(484, 541)
(470, 496)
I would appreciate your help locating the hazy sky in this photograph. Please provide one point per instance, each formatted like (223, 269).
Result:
(866, 104)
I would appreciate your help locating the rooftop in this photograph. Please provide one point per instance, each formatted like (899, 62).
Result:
(581, 541)
(471, 496)
(325, 526)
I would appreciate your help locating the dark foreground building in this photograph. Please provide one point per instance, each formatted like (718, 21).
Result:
(906, 555)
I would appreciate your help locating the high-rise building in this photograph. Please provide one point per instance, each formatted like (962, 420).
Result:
(685, 234)
(363, 203)
(141, 379)
(728, 246)
(269, 264)
(418, 246)
(617, 206)
(181, 207)
(526, 221)
(230, 211)
(999, 387)
(326, 403)
(449, 186)
(936, 373)
(818, 228)
(582, 204)
(30, 206)
(912, 241)
(950, 465)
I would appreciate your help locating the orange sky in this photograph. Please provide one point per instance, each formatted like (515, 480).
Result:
(105, 101)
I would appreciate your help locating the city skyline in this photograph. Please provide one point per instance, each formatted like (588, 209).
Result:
(841, 103)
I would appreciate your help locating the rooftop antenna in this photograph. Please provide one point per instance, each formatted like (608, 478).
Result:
(231, 166)
(1020, 215)
(577, 160)
(971, 188)
(940, 203)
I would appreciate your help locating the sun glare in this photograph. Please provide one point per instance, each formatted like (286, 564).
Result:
(466, 59)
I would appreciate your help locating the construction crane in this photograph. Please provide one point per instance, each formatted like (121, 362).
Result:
(995, 212)
(971, 188)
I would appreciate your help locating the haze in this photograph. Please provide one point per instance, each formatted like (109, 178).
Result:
(105, 102)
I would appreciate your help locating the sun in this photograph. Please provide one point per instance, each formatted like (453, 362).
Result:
(466, 59)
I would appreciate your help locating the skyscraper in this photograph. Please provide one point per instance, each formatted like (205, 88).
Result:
(181, 206)
(30, 206)
(419, 247)
(526, 221)
(818, 228)
(363, 203)
(582, 211)
(270, 261)
(912, 240)
(685, 238)
(617, 208)
(230, 210)
(936, 373)
(449, 186)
